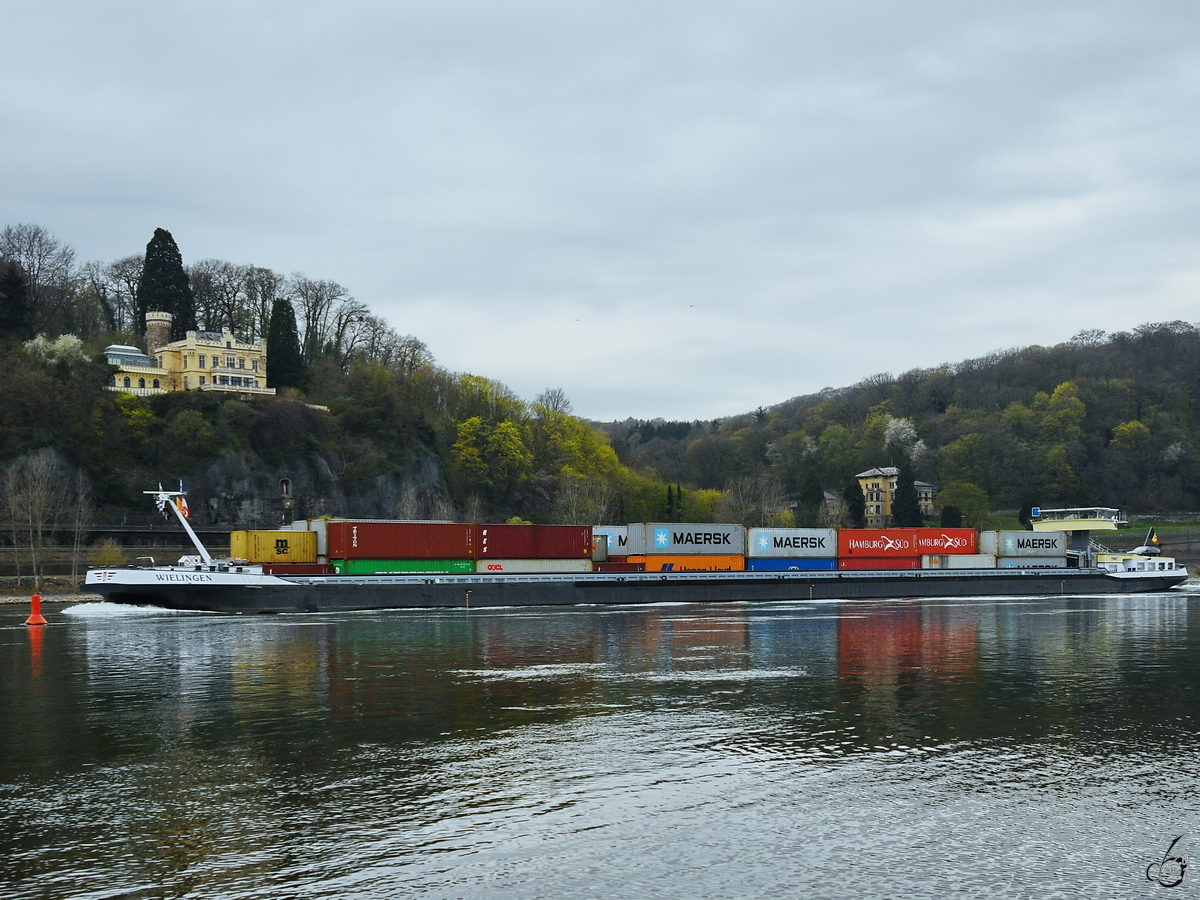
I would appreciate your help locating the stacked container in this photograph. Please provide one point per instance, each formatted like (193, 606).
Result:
(364, 547)
(878, 548)
(791, 549)
(960, 561)
(1026, 549)
(532, 548)
(299, 547)
(618, 540)
(695, 562)
(687, 547)
(901, 548)
(379, 548)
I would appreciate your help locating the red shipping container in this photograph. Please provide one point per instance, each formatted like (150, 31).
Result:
(562, 541)
(946, 541)
(873, 542)
(620, 567)
(297, 569)
(883, 563)
(533, 542)
(399, 540)
(504, 542)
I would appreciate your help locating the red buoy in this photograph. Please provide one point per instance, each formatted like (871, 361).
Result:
(35, 613)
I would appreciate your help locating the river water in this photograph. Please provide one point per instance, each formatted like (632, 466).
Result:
(1002, 747)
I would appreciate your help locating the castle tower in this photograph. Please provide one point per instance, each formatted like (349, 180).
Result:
(158, 331)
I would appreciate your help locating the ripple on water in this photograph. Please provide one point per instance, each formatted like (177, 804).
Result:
(582, 753)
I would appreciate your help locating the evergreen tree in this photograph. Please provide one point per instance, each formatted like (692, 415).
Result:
(285, 364)
(906, 506)
(855, 504)
(951, 517)
(15, 315)
(812, 498)
(1025, 517)
(164, 286)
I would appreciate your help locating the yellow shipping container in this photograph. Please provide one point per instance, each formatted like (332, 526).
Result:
(274, 546)
(690, 563)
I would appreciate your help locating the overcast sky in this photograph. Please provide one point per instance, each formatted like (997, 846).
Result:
(672, 209)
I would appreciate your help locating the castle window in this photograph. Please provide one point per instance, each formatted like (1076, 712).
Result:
(229, 362)
(112, 380)
(126, 382)
(156, 382)
(241, 363)
(141, 382)
(254, 364)
(203, 360)
(202, 379)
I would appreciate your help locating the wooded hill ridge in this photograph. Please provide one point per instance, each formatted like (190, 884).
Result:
(1102, 419)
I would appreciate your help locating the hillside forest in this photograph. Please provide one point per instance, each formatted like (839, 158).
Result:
(369, 424)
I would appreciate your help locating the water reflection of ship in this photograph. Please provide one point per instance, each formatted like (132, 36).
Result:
(879, 649)
(636, 638)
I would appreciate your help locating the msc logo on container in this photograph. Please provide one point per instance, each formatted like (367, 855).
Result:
(281, 547)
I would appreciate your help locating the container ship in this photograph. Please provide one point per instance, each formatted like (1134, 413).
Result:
(342, 564)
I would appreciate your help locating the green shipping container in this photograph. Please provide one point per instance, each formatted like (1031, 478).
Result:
(403, 566)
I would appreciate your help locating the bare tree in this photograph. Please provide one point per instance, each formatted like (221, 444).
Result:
(317, 302)
(553, 400)
(48, 265)
(122, 278)
(38, 497)
(581, 500)
(82, 513)
(349, 329)
(261, 289)
(410, 354)
(755, 501)
(473, 511)
(218, 287)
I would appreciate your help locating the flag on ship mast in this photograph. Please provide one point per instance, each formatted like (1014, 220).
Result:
(181, 503)
(1152, 539)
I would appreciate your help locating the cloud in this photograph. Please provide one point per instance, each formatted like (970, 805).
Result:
(678, 210)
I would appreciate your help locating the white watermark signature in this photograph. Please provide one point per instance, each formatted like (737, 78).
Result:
(1171, 870)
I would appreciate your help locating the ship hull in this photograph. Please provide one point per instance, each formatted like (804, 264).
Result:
(228, 592)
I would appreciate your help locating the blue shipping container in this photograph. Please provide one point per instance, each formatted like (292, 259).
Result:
(789, 565)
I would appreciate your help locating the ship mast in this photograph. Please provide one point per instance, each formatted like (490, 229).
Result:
(167, 498)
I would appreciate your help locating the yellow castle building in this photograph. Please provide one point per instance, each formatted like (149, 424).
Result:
(202, 361)
(879, 490)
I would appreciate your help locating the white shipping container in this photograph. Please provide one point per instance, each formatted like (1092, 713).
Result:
(1031, 562)
(685, 538)
(318, 525)
(791, 543)
(987, 542)
(1024, 543)
(531, 566)
(618, 538)
(959, 561)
